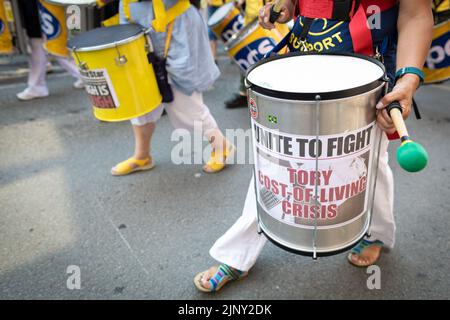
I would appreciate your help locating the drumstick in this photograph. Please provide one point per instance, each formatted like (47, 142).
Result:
(275, 11)
(411, 156)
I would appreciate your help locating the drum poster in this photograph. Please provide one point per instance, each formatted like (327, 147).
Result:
(99, 88)
(286, 179)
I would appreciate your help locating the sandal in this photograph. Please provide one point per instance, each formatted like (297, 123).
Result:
(359, 249)
(132, 165)
(217, 160)
(223, 275)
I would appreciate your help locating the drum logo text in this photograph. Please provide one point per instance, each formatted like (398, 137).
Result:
(301, 179)
(253, 108)
(254, 52)
(233, 27)
(49, 24)
(99, 88)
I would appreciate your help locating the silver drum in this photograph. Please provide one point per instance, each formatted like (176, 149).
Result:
(316, 146)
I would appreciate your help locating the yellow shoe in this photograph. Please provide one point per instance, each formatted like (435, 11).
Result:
(217, 161)
(132, 165)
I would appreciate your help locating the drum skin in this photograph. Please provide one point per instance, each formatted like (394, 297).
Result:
(337, 225)
(53, 26)
(230, 24)
(253, 42)
(6, 44)
(133, 84)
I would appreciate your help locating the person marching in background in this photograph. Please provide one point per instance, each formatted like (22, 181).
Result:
(213, 5)
(403, 39)
(250, 9)
(38, 59)
(191, 70)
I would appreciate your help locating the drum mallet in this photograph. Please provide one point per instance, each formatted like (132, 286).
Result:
(275, 11)
(411, 156)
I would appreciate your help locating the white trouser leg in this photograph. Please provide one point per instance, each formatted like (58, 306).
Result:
(241, 245)
(69, 65)
(383, 224)
(185, 110)
(38, 67)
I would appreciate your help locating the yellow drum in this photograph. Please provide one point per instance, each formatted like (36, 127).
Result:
(118, 77)
(253, 42)
(226, 21)
(6, 40)
(53, 26)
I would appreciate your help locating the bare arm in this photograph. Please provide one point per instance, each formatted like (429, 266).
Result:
(415, 29)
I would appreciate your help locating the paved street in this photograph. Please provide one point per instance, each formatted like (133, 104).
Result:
(146, 235)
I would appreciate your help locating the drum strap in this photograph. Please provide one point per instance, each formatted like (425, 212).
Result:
(353, 11)
(163, 17)
(168, 38)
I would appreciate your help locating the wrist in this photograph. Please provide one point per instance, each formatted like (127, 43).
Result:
(410, 73)
(411, 80)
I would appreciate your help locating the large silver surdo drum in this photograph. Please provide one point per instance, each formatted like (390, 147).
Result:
(316, 146)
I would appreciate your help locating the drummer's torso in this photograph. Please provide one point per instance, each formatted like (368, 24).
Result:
(327, 35)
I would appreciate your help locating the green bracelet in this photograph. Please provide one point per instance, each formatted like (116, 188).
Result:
(401, 72)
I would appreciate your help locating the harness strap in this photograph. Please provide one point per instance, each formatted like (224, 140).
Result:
(163, 17)
(347, 10)
(360, 33)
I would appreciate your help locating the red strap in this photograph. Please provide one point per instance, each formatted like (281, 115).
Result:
(324, 8)
(360, 33)
(383, 5)
(393, 136)
(316, 8)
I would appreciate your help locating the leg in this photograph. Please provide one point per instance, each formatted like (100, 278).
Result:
(37, 86)
(142, 138)
(185, 111)
(143, 128)
(382, 225)
(70, 66)
(239, 100)
(239, 247)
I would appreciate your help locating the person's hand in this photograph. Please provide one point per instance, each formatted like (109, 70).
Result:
(402, 92)
(264, 15)
(239, 3)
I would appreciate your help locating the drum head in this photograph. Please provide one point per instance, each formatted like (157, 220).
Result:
(303, 76)
(76, 2)
(102, 38)
(220, 14)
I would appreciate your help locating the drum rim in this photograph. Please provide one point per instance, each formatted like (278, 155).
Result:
(233, 42)
(231, 5)
(318, 253)
(69, 3)
(108, 45)
(310, 96)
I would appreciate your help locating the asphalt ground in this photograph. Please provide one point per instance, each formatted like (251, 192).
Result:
(146, 235)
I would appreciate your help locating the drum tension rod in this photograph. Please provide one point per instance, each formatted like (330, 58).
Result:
(81, 64)
(121, 59)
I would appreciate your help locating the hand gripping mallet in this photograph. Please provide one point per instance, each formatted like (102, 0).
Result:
(411, 156)
(275, 11)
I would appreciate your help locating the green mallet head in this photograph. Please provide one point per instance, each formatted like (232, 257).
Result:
(411, 156)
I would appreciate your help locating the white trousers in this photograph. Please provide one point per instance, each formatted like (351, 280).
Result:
(241, 245)
(38, 67)
(183, 112)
